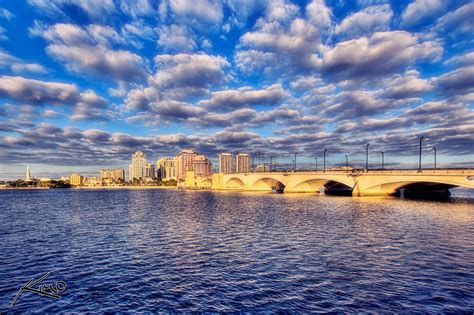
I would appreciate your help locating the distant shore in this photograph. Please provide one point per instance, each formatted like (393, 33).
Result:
(98, 187)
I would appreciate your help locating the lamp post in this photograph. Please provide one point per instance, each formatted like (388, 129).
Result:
(434, 149)
(316, 164)
(324, 157)
(367, 157)
(421, 144)
(293, 165)
(347, 162)
(295, 162)
(383, 155)
(271, 163)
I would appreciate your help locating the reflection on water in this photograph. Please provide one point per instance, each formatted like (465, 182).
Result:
(163, 250)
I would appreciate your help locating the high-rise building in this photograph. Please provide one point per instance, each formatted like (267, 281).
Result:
(226, 163)
(166, 168)
(27, 173)
(113, 175)
(150, 170)
(242, 163)
(138, 167)
(76, 179)
(185, 161)
(202, 166)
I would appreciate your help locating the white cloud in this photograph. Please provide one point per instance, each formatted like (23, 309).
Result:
(176, 38)
(365, 22)
(420, 9)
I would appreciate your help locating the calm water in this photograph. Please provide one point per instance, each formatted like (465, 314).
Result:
(169, 250)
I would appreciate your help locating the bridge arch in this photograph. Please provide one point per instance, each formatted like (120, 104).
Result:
(412, 187)
(317, 184)
(234, 183)
(266, 183)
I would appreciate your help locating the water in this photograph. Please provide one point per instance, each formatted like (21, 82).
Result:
(164, 250)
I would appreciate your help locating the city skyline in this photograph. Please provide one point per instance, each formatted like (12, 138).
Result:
(82, 88)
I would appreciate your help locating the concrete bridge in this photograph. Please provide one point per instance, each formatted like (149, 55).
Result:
(358, 183)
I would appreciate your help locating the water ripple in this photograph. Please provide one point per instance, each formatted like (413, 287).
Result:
(167, 250)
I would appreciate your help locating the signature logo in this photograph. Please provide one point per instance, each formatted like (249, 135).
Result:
(43, 289)
(469, 177)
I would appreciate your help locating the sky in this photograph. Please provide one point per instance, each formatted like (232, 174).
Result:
(84, 84)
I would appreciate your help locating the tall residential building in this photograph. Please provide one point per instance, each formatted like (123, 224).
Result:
(114, 175)
(185, 161)
(27, 173)
(76, 179)
(242, 163)
(138, 167)
(202, 166)
(166, 168)
(150, 170)
(226, 163)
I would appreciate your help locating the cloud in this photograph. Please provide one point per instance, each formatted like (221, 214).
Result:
(319, 14)
(86, 105)
(37, 92)
(199, 14)
(88, 52)
(176, 38)
(382, 53)
(3, 35)
(461, 59)
(97, 10)
(418, 10)
(458, 21)
(459, 80)
(7, 15)
(16, 65)
(404, 86)
(189, 70)
(365, 22)
(233, 99)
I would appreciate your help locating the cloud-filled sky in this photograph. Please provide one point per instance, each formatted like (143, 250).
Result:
(83, 84)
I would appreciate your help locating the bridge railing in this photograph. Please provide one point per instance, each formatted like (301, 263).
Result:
(438, 171)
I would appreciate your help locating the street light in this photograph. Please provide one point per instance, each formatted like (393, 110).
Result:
(316, 163)
(434, 149)
(347, 162)
(293, 165)
(295, 162)
(324, 155)
(419, 163)
(383, 155)
(367, 157)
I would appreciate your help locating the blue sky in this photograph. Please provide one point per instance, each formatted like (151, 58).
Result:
(83, 84)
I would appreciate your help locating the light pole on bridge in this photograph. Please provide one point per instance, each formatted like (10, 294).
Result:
(295, 162)
(324, 158)
(367, 157)
(421, 144)
(316, 164)
(434, 149)
(347, 162)
(383, 156)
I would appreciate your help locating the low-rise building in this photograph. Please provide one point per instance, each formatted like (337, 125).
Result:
(76, 179)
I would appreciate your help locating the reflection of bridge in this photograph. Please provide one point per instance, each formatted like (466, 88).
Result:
(377, 182)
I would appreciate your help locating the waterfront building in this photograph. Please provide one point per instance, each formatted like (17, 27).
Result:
(27, 173)
(137, 168)
(185, 160)
(226, 163)
(202, 166)
(242, 163)
(262, 168)
(76, 179)
(111, 176)
(166, 168)
(92, 182)
(150, 171)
